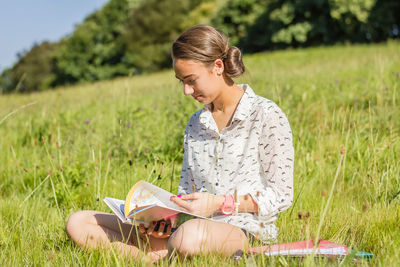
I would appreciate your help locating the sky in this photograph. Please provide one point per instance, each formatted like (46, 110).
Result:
(24, 22)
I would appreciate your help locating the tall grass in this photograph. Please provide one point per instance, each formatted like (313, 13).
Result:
(66, 149)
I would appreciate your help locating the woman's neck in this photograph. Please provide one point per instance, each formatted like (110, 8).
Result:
(229, 97)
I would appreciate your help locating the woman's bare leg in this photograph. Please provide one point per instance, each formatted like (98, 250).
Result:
(92, 229)
(204, 237)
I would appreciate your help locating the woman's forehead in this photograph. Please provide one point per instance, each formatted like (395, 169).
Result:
(186, 63)
(184, 67)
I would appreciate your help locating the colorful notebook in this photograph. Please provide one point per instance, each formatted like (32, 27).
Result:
(302, 248)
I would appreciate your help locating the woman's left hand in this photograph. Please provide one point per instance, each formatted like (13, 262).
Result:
(202, 204)
(163, 229)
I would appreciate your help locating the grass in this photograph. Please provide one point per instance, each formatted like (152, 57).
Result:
(66, 149)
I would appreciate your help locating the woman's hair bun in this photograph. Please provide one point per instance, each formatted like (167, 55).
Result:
(205, 44)
(233, 62)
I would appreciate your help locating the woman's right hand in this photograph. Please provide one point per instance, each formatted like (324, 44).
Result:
(163, 231)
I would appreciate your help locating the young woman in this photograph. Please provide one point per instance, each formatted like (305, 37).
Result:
(237, 166)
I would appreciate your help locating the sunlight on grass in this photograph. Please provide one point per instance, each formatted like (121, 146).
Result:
(66, 149)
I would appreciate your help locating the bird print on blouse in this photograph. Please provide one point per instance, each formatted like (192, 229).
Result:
(253, 154)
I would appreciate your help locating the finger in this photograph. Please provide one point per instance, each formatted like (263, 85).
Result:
(155, 234)
(158, 230)
(169, 227)
(161, 229)
(171, 219)
(192, 196)
(181, 203)
(151, 228)
(142, 230)
(164, 232)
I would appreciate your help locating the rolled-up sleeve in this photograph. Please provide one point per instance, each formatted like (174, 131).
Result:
(276, 156)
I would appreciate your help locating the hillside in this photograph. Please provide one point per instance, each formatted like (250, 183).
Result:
(66, 149)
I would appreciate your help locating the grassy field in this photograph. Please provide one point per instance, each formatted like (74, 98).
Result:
(66, 149)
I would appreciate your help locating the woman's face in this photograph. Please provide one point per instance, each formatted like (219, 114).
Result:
(199, 81)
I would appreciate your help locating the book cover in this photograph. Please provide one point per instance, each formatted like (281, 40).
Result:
(301, 248)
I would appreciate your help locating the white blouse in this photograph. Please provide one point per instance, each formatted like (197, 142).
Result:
(254, 155)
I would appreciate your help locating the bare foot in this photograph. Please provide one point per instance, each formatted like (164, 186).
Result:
(158, 255)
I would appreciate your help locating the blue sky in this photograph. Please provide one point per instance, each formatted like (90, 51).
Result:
(24, 22)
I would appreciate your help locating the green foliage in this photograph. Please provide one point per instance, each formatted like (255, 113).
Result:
(295, 32)
(308, 22)
(33, 71)
(202, 14)
(150, 31)
(347, 10)
(95, 51)
(384, 21)
(236, 16)
(5, 81)
(285, 13)
(352, 16)
(128, 37)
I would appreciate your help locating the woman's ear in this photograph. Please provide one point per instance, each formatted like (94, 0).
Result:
(218, 66)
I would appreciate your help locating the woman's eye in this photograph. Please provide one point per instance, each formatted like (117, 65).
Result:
(191, 82)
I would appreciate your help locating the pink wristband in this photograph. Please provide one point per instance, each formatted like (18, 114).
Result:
(229, 205)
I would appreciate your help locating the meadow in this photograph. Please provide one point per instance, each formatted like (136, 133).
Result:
(66, 149)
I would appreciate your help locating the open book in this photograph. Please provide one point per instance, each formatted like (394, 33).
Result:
(146, 203)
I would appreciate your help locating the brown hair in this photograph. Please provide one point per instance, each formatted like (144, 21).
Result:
(205, 44)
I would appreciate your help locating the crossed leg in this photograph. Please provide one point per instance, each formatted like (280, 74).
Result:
(92, 229)
(199, 236)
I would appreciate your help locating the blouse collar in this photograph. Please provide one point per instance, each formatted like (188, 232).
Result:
(241, 113)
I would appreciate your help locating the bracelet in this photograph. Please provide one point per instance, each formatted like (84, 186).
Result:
(228, 206)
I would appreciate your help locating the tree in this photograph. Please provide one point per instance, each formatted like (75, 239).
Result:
(94, 51)
(5, 82)
(384, 21)
(312, 22)
(33, 70)
(151, 29)
(135, 36)
(235, 17)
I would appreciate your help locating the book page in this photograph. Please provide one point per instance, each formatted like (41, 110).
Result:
(144, 194)
(117, 206)
(156, 213)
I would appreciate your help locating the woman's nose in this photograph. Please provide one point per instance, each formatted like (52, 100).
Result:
(187, 89)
